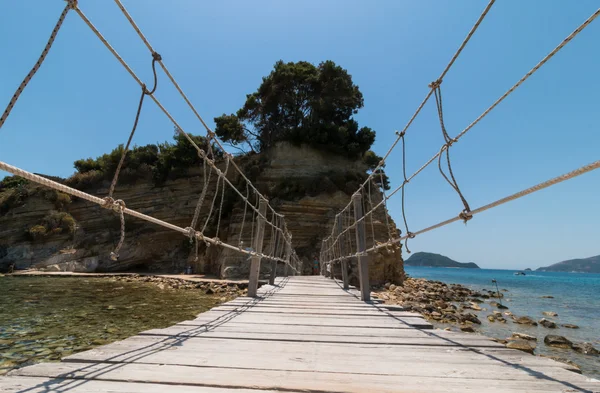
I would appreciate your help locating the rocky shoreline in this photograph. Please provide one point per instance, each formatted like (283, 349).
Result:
(45, 317)
(456, 307)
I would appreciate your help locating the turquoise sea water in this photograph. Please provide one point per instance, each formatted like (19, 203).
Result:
(576, 300)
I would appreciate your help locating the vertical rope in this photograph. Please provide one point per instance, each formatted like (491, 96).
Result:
(222, 194)
(155, 57)
(436, 86)
(70, 5)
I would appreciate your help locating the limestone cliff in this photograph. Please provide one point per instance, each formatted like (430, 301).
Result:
(307, 186)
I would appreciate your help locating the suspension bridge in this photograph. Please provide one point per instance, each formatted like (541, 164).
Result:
(298, 333)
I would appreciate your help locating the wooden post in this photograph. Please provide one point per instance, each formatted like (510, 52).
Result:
(274, 261)
(258, 244)
(363, 259)
(344, 263)
(288, 251)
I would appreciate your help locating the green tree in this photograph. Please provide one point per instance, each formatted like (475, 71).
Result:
(300, 103)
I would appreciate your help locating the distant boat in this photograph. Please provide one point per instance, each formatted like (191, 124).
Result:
(520, 274)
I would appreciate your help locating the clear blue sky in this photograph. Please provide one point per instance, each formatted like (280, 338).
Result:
(82, 102)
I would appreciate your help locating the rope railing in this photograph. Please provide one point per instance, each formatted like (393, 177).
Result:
(439, 80)
(444, 147)
(277, 224)
(178, 127)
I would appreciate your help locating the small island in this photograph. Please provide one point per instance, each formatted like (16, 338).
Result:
(584, 265)
(428, 259)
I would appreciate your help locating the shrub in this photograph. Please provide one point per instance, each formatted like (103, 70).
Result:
(53, 224)
(86, 180)
(12, 182)
(37, 231)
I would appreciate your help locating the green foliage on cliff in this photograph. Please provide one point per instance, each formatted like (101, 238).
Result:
(53, 224)
(436, 260)
(301, 103)
(583, 265)
(156, 161)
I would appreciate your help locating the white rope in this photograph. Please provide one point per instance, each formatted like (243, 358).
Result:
(183, 95)
(487, 111)
(99, 201)
(178, 128)
(429, 93)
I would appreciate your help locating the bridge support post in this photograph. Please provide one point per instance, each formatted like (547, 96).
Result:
(342, 248)
(361, 242)
(288, 252)
(274, 261)
(258, 244)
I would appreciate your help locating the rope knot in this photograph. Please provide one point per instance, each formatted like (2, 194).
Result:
(465, 215)
(156, 56)
(72, 4)
(201, 154)
(211, 134)
(435, 84)
(410, 235)
(400, 134)
(191, 233)
(108, 203)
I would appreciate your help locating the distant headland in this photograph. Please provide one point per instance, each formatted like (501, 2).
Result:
(584, 265)
(428, 259)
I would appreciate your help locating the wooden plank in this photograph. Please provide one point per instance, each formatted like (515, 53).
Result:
(51, 385)
(353, 340)
(288, 341)
(415, 379)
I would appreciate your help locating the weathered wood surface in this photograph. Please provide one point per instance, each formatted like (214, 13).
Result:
(326, 341)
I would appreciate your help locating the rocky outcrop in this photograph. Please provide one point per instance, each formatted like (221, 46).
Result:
(307, 186)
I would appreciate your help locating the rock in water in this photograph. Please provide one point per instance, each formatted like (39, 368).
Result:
(521, 345)
(525, 321)
(547, 323)
(557, 341)
(585, 348)
(467, 329)
(550, 314)
(491, 318)
(570, 326)
(547, 297)
(524, 336)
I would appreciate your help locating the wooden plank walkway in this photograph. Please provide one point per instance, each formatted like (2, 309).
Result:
(305, 334)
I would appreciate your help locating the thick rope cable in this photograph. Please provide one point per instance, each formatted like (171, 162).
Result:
(71, 4)
(578, 172)
(99, 201)
(578, 30)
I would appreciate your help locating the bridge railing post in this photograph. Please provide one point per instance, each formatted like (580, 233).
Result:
(258, 244)
(342, 248)
(288, 255)
(361, 242)
(274, 260)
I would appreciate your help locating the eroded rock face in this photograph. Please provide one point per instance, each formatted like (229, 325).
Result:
(150, 247)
